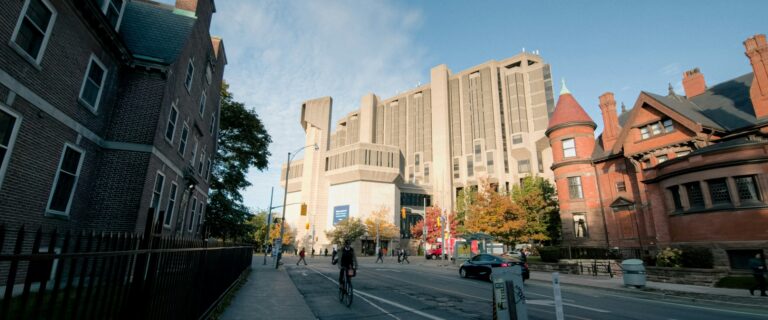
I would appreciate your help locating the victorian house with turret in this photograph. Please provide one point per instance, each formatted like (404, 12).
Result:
(675, 170)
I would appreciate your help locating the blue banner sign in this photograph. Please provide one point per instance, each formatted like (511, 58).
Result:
(340, 213)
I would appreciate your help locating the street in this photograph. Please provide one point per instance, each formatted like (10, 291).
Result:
(423, 291)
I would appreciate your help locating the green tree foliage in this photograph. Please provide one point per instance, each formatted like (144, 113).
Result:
(464, 200)
(242, 144)
(536, 197)
(258, 223)
(348, 229)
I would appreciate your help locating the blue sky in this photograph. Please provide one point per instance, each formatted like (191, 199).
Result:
(281, 53)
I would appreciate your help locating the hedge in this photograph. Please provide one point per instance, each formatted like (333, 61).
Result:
(549, 254)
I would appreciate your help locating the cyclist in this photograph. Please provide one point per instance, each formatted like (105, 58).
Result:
(346, 260)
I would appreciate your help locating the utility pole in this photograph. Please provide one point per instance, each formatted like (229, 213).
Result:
(269, 225)
(378, 246)
(424, 232)
(285, 200)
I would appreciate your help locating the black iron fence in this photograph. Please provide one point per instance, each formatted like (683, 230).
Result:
(600, 253)
(52, 275)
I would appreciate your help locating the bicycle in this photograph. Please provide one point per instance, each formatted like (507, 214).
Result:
(345, 288)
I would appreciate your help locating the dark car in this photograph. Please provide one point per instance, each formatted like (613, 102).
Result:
(482, 265)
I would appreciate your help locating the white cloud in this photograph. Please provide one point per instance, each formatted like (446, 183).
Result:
(281, 53)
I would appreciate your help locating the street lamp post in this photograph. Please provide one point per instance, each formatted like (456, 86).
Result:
(424, 224)
(269, 225)
(285, 199)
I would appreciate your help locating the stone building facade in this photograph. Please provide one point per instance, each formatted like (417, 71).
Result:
(107, 108)
(420, 147)
(675, 170)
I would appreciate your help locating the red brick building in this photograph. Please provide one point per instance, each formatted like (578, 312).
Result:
(675, 170)
(107, 108)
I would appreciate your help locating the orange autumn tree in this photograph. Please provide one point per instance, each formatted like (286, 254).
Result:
(288, 235)
(495, 214)
(433, 231)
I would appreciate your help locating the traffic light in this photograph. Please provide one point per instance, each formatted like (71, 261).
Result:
(438, 222)
(276, 220)
(306, 226)
(402, 213)
(303, 209)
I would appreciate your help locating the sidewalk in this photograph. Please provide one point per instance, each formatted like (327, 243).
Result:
(268, 294)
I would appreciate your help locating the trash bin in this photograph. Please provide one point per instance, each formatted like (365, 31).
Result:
(634, 272)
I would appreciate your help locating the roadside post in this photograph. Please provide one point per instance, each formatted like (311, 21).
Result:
(508, 294)
(558, 296)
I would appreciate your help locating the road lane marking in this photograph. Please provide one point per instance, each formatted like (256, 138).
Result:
(689, 306)
(439, 289)
(406, 308)
(364, 299)
(551, 303)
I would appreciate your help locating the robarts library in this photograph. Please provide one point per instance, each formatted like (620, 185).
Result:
(421, 147)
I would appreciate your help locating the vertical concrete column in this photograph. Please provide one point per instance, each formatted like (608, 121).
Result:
(441, 166)
(316, 120)
(367, 116)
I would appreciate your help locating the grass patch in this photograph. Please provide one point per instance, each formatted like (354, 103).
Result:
(533, 259)
(227, 300)
(735, 282)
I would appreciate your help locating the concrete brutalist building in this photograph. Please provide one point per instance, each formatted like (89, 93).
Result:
(107, 108)
(422, 146)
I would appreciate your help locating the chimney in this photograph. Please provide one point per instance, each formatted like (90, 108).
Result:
(757, 52)
(203, 9)
(693, 83)
(610, 120)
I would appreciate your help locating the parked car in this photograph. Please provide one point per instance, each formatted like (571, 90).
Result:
(482, 265)
(435, 253)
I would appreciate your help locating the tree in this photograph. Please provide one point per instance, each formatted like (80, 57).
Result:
(288, 236)
(349, 229)
(433, 231)
(536, 197)
(258, 223)
(464, 200)
(495, 214)
(242, 144)
(386, 229)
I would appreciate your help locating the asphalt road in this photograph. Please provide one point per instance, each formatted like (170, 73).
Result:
(393, 291)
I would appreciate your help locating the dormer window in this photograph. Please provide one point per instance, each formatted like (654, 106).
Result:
(113, 11)
(656, 128)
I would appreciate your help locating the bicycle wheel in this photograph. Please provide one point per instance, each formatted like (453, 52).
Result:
(349, 292)
(342, 287)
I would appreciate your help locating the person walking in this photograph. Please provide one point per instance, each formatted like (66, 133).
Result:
(326, 252)
(399, 255)
(405, 256)
(523, 256)
(313, 253)
(758, 271)
(301, 257)
(380, 255)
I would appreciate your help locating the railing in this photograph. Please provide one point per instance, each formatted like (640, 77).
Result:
(78, 275)
(600, 253)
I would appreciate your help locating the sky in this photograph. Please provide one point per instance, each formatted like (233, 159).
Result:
(281, 53)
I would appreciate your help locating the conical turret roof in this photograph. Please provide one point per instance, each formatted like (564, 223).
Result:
(568, 110)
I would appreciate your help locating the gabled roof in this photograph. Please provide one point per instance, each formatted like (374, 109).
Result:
(154, 31)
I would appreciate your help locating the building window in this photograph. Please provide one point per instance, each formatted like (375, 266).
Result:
(456, 166)
(33, 29)
(470, 167)
(65, 182)
(661, 158)
(695, 196)
(170, 128)
(478, 150)
(426, 173)
(171, 204)
(644, 133)
(194, 154)
(621, 186)
(9, 127)
(183, 139)
(489, 161)
(157, 191)
(656, 128)
(675, 192)
(201, 163)
(517, 139)
(580, 225)
(747, 188)
(192, 212)
(113, 10)
(213, 123)
(202, 104)
(569, 148)
(410, 175)
(190, 75)
(718, 191)
(668, 127)
(523, 166)
(208, 73)
(93, 83)
(417, 162)
(574, 188)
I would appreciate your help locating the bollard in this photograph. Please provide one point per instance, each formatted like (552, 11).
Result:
(558, 296)
(508, 294)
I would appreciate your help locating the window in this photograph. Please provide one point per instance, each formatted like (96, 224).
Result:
(33, 29)
(417, 162)
(208, 73)
(93, 83)
(194, 154)
(517, 139)
(655, 129)
(183, 139)
(171, 204)
(113, 9)
(213, 123)
(426, 173)
(580, 225)
(695, 196)
(190, 75)
(208, 169)
(170, 128)
(489, 161)
(9, 127)
(478, 150)
(192, 211)
(157, 191)
(202, 104)
(621, 186)
(746, 186)
(675, 192)
(644, 133)
(574, 188)
(456, 173)
(661, 158)
(718, 191)
(470, 167)
(569, 148)
(201, 163)
(739, 259)
(668, 127)
(65, 182)
(523, 166)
